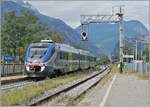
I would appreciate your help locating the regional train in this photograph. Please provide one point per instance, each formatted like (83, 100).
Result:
(46, 58)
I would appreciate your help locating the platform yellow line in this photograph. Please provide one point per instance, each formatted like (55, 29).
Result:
(107, 92)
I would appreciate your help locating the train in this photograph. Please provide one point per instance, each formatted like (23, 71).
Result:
(47, 58)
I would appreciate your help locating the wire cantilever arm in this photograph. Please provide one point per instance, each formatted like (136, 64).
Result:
(86, 19)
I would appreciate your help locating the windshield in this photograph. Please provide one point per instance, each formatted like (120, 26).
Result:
(37, 52)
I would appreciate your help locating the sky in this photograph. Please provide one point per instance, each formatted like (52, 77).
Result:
(70, 11)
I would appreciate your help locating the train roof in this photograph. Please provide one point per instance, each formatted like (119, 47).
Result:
(63, 47)
(40, 44)
(68, 48)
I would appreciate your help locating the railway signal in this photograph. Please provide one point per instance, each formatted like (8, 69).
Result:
(84, 36)
(116, 16)
(120, 15)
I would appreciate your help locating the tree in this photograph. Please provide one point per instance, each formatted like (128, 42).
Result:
(56, 37)
(19, 31)
(146, 54)
(103, 59)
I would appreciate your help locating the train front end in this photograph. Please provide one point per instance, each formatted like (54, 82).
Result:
(38, 59)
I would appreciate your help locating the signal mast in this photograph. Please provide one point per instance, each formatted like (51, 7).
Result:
(116, 16)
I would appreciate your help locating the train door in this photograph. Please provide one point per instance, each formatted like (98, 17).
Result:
(70, 60)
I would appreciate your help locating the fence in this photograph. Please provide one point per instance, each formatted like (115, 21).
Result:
(141, 67)
(12, 69)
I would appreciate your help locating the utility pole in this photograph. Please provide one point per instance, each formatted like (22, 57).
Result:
(136, 56)
(141, 51)
(121, 30)
(107, 18)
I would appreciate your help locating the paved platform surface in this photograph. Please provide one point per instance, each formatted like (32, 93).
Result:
(120, 91)
(13, 77)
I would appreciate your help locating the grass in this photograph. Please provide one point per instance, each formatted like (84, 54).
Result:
(114, 69)
(129, 72)
(23, 95)
(139, 75)
(73, 101)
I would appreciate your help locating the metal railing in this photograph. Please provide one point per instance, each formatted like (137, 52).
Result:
(12, 69)
(139, 67)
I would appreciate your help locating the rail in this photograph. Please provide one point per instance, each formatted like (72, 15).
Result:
(64, 88)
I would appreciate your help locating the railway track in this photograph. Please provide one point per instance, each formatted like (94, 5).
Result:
(15, 85)
(90, 80)
(20, 84)
(5, 81)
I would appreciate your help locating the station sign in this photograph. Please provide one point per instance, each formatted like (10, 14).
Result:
(8, 58)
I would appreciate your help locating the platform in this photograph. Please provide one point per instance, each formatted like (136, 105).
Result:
(120, 91)
(12, 78)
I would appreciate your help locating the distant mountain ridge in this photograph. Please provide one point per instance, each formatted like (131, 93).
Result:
(103, 38)
(106, 36)
(18, 6)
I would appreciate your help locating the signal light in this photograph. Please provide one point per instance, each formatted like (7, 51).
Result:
(83, 33)
(84, 36)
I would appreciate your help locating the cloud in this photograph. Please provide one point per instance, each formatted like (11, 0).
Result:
(70, 11)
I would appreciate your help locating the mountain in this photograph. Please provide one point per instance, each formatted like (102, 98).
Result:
(106, 36)
(16, 5)
(103, 38)
(70, 35)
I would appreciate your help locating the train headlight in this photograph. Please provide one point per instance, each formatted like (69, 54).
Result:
(42, 68)
(27, 68)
